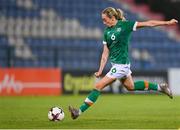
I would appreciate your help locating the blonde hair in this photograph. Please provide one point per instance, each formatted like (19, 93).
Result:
(117, 13)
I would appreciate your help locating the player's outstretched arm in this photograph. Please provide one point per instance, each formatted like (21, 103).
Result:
(154, 23)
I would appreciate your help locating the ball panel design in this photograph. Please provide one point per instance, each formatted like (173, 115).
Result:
(56, 114)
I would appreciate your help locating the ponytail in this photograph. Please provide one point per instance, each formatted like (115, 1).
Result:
(117, 13)
(120, 15)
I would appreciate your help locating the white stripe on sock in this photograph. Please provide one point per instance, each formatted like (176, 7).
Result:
(80, 111)
(159, 88)
(88, 100)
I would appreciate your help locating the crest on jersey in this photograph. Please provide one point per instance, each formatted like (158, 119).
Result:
(118, 29)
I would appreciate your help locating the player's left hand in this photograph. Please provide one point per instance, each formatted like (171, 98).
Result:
(172, 22)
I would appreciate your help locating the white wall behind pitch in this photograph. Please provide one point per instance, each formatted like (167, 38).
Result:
(174, 80)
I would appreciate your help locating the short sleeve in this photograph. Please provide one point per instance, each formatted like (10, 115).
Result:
(104, 38)
(130, 26)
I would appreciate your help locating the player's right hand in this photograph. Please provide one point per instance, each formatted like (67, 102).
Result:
(98, 74)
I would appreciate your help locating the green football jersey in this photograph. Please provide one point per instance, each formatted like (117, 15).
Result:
(117, 40)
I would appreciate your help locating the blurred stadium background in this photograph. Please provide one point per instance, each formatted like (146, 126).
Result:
(67, 34)
(53, 47)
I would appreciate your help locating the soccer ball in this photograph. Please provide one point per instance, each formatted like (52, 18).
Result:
(56, 114)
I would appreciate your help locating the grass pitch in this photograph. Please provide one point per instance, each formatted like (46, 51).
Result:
(109, 112)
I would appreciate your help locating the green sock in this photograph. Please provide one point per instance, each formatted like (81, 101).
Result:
(145, 85)
(90, 100)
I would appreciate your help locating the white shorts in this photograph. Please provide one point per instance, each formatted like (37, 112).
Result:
(119, 71)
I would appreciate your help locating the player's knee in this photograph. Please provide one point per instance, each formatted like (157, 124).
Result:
(130, 87)
(98, 86)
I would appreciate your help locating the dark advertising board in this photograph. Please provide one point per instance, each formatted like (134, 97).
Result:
(84, 81)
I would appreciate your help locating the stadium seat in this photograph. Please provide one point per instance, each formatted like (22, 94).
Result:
(67, 34)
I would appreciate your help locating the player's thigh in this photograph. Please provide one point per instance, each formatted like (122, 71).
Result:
(128, 82)
(104, 82)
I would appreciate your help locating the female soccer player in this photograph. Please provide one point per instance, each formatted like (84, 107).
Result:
(116, 42)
